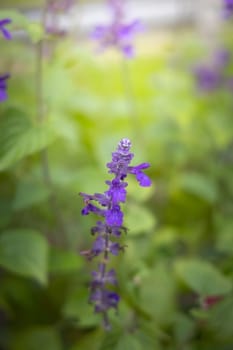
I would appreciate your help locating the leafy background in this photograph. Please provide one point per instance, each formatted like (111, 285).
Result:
(180, 242)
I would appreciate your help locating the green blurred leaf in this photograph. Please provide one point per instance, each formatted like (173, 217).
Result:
(199, 185)
(139, 219)
(138, 193)
(90, 341)
(30, 193)
(37, 339)
(158, 294)
(20, 138)
(184, 328)
(220, 319)
(77, 308)
(35, 31)
(61, 261)
(203, 278)
(25, 252)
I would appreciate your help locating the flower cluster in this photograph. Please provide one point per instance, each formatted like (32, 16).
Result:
(215, 75)
(108, 230)
(3, 78)
(118, 33)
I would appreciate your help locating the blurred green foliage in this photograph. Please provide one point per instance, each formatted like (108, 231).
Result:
(180, 241)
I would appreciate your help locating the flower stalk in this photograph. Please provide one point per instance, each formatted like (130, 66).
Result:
(108, 230)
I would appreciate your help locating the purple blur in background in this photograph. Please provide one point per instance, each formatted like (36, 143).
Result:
(119, 33)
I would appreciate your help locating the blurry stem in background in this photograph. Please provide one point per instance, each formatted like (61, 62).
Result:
(130, 98)
(41, 116)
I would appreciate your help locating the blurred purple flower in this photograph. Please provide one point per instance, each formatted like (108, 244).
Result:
(118, 33)
(110, 228)
(3, 87)
(228, 8)
(6, 34)
(222, 58)
(208, 78)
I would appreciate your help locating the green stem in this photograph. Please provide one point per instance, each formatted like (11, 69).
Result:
(41, 117)
(130, 97)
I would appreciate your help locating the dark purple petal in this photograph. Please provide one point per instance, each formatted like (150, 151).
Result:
(114, 216)
(3, 87)
(92, 208)
(143, 179)
(5, 32)
(99, 245)
(104, 300)
(114, 248)
(117, 191)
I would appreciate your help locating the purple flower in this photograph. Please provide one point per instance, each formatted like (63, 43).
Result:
(104, 300)
(118, 33)
(114, 216)
(222, 58)
(208, 78)
(102, 277)
(6, 34)
(228, 8)
(3, 87)
(142, 178)
(110, 228)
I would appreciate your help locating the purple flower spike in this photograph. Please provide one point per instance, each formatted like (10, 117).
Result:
(117, 33)
(3, 87)
(6, 34)
(107, 231)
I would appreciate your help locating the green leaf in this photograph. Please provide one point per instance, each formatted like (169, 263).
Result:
(19, 137)
(139, 219)
(25, 252)
(199, 185)
(29, 193)
(158, 294)
(37, 339)
(77, 308)
(90, 341)
(184, 328)
(129, 341)
(221, 318)
(203, 278)
(35, 31)
(61, 261)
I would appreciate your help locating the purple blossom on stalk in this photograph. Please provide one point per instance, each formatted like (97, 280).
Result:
(110, 228)
(5, 32)
(118, 33)
(3, 87)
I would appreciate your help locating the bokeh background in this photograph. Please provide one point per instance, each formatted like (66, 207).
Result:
(68, 106)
